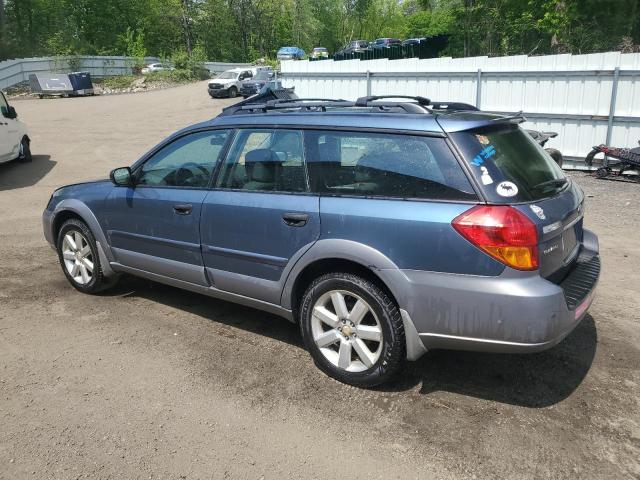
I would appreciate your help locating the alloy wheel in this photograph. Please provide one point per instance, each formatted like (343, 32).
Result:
(77, 256)
(347, 331)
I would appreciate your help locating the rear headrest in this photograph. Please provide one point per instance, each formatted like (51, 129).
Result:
(370, 165)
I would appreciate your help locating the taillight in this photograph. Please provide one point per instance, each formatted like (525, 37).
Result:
(503, 232)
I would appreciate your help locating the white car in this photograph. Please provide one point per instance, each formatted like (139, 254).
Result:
(228, 83)
(156, 67)
(14, 140)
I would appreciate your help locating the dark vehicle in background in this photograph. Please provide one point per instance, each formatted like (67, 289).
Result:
(255, 84)
(412, 41)
(319, 52)
(290, 53)
(383, 227)
(386, 43)
(355, 46)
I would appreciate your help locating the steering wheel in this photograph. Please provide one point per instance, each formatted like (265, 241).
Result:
(188, 173)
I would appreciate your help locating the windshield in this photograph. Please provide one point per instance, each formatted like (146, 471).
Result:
(509, 165)
(228, 75)
(262, 75)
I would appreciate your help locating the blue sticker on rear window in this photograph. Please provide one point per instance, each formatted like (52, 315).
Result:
(486, 153)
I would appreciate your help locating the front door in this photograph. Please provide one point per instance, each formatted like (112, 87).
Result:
(155, 225)
(260, 217)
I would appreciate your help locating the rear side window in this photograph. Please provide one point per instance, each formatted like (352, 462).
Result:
(509, 165)
(384, 165)
(270, 160)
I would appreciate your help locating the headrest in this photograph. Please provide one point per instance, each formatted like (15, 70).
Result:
(260, 155)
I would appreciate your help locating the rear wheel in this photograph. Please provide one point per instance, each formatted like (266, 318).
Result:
(25, 151)
(78, 255)
(233, 92)
(602, 172)
(352, 329)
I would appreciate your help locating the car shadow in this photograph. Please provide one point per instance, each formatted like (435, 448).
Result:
(530, 380)
(219, 311)
(533, 380)
(16, 174)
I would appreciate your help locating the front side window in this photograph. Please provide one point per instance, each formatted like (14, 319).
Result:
(384, 165)
(269, 160)
(4, 106)
(187, 162)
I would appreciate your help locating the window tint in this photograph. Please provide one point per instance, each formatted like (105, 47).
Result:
(509, 157)
(187, 162)
(349, 163)
(266, 160)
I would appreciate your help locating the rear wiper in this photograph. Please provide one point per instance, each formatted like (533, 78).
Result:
(556, 182)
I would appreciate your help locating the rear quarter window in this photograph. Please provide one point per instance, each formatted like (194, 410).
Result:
(384, 165)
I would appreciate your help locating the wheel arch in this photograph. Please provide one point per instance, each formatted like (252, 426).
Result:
(338, 256)
(72, 208)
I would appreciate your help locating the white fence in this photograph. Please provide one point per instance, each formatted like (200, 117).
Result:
(587, 99)
(16, 71)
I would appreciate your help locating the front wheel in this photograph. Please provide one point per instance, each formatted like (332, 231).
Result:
(78, 255)
(25, 151)
(352, 329)
(233, 92)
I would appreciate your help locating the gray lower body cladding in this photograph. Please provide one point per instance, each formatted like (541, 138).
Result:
(514, 312)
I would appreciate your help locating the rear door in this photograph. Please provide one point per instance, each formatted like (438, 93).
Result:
(513, 169)
(259, 217)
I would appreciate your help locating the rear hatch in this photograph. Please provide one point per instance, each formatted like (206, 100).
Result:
(512, 169)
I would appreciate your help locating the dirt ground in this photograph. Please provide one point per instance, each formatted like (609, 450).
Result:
(152, 382)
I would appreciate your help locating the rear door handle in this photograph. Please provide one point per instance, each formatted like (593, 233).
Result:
(295, 219)
(183, 209)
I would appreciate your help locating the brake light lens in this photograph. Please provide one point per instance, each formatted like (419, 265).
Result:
(503, 232)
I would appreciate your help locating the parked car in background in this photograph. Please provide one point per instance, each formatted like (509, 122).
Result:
(254, 85)
(319, 52)
(386, 42)
(355, 46)
(14, 140)
(229, 83)
(290, 53)
(412, 41)
(157, 67)
(453, 229)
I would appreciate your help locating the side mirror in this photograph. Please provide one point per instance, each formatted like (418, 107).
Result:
(10, 113)
(122, 177)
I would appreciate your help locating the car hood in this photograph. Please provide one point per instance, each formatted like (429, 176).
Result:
(221, 81)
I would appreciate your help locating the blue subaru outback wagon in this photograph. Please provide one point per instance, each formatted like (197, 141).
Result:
(384, 227)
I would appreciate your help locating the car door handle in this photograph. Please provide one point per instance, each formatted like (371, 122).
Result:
(295, 219)
(183, 209)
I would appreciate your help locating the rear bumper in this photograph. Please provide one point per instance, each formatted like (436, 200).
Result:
(515, 312)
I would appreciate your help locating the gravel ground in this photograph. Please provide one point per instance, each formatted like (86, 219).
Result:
(152, 382)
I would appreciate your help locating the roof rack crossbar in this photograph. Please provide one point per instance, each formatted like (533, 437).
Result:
(365, 101)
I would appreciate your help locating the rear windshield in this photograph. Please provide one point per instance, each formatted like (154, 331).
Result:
(509, 165)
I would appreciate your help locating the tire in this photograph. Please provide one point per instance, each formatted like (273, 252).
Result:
(590, 156)
(602, 172)
(80, 233)
(327, 339)
(25, 151)
(233, 92)
(556, 155)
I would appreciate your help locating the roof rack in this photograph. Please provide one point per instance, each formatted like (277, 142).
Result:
(366, 101)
